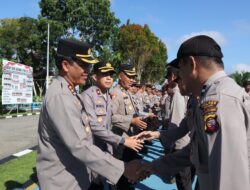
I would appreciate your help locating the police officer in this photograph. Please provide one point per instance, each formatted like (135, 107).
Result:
(125, 116)
(147, 98)
(66, 153)
(97, 102)
(177, 113)
(202, 57)
(220, 148)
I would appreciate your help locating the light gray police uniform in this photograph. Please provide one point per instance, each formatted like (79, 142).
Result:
(220, 139)
(98, 108)
(138, 101)
(225, 108)
(66, 153)
(123, 110)
(177, 113)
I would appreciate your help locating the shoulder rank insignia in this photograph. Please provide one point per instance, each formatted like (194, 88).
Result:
(209, 109)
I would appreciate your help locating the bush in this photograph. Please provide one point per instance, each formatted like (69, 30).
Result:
(37, 98)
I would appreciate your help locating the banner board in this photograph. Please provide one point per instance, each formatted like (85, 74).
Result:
(17, 83)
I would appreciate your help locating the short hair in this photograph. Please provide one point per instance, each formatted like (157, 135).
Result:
(205, 61)
(172, 71)
(61, 58)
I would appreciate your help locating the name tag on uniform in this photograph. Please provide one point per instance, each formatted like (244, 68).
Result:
(100, 106)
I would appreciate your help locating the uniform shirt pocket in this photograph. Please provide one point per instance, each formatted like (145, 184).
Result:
(86, 126)
(101, 114)
(128, 106)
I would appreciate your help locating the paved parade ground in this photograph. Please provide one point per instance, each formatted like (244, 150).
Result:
(17, 134)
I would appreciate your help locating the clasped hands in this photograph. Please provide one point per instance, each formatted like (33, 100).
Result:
(148, 135)
(138, 170)
(136, 142)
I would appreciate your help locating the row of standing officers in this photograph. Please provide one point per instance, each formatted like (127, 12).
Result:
(76, 143)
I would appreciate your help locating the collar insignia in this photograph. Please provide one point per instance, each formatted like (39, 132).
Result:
(98, 92)
(72, 89)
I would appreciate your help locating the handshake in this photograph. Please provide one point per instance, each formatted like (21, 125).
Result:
(136, 142)
(138, 170)
(148, 135)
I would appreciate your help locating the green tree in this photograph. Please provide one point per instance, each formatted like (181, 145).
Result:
(90, 20)
(24, 40)
(8, 37)
(154, 70)
(139, 46)
(241, 77)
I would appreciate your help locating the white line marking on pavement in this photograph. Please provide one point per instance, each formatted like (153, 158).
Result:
(19, 115)
(8, 117)
(29, 114)
(22, 153)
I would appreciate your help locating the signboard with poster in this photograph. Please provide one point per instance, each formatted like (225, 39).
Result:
(17, 83)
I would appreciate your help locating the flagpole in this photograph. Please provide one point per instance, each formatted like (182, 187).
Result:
(47, 74)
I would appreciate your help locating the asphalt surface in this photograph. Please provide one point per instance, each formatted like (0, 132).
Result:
(17, 134)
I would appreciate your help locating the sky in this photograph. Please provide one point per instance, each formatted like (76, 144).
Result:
(174, 21)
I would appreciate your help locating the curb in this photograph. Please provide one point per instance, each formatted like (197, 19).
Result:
(19, 115)
(13, 156)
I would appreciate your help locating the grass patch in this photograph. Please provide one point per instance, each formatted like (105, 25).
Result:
(16, 172)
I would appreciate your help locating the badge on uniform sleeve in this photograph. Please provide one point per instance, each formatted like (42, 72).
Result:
(211, 124)
(209, 109)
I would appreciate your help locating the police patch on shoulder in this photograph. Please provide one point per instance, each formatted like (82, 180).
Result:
(211, 124)
(209, 103)
(209, 109)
